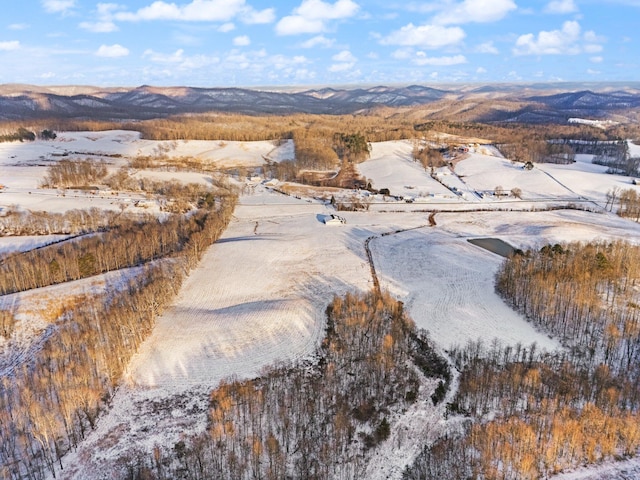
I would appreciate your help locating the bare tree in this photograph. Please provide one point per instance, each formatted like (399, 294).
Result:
(516, 192)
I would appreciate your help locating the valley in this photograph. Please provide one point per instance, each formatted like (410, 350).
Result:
(258, 296)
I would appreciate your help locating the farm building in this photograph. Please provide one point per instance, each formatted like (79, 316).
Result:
(334, 220)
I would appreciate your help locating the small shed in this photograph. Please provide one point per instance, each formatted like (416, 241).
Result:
(334, 220)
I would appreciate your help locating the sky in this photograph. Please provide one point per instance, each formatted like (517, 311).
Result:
(245, 43)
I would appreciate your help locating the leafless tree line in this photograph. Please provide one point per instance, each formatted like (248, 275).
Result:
(531, 413)
(74, 173)
(51, 401)
(125, 245)
(72, 222)
(311, 421)
(627, 201)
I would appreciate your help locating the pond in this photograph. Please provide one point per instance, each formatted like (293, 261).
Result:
(494, 245)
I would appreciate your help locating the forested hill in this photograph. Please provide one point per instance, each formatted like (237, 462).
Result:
(499, 102)
(152, 102)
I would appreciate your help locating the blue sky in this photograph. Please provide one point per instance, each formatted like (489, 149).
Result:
(317, 42)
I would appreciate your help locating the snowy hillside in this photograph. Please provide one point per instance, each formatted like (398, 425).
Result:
(259, 295)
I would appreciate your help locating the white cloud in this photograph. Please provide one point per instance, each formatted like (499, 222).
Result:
(281, 62)
(10, 45)
(327, 11)
(112, 51)
(515, 76)
(475, 11)
(340, 67)
(178, 62)
(226, 27)
(18, 26)
(481, 70)
(344, 56)
(99, 27)
(199, 11)
(593, 72)
(345, 61)
(402, 54)
(592, 37)
(596, 59)
(568, 41)
(422, 59)
(561, 7)
(242, 41)
(58, 6)
(425, 36)
(156, 57)
(487, 47)
(104, 22)
(251, 16)
(318, 41)
(295, 25)
(312, 16)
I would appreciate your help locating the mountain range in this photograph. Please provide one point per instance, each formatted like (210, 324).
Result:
(494, 102)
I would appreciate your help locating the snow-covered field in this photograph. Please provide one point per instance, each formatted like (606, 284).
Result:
(23, 166)
(391, 166)
(260, 292)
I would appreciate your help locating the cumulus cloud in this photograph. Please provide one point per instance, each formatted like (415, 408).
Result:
(596, 59)
(226, 27)
(253, 17)
(295, 25)
(423, 59)
(487, 47)
(593, 42)
(312, 16)
(58, 6)
(475, 11)
(112, 51)
(567, 40)
(344, 56)
(241, 41)
(345, 60)
(199, 11)
(18, 26)
(104, 22)
(425, 36)
(561, 7)
(318, 41)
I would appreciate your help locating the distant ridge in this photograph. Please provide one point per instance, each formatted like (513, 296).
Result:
(145, 102)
